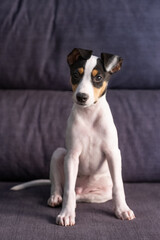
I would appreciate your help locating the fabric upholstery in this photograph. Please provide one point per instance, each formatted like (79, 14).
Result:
(35, 101)
(25, 215)
(36, 36)
(33, 125)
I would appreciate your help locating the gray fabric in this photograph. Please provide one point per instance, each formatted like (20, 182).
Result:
(137, 117)
(33, 125)
(36, 36)
(24, 215)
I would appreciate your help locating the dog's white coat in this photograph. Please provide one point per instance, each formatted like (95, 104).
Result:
(89, 169)
(92, 159)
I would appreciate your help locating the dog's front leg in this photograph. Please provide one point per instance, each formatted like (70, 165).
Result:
(121, 208)
(67, 214)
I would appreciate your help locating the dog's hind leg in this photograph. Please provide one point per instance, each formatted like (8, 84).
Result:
(97, 196)
(57, 177)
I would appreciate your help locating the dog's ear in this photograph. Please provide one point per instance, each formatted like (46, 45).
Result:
(112, 63)
(76, 54)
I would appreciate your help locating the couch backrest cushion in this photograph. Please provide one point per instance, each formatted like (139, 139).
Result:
(33, 125)
(36, 36)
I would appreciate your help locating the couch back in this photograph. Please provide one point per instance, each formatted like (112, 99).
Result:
(36, 36)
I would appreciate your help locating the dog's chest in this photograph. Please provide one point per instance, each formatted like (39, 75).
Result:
(87, 131)
(91, 158)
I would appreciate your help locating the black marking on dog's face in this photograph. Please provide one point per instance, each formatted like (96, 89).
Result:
(76, 74)
(99, 75)
(99, 79)
(76, 61)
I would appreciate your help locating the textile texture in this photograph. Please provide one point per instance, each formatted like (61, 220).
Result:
(36, 36)
(36, 99)
(33, 125)
(25, 215)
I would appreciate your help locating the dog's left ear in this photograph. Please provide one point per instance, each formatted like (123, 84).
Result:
(112, 63)
(78, 53)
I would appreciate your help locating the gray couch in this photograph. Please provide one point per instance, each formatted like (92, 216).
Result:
(36, 99)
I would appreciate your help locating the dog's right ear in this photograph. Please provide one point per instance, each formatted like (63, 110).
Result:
(78, 53)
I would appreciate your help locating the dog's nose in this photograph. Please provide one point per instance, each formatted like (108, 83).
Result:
(82, 97)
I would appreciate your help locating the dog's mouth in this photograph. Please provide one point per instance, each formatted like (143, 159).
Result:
(81, 104)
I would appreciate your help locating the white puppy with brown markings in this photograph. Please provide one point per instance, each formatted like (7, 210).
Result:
(89, 168)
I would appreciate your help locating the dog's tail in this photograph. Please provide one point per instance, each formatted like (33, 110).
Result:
(33, 183)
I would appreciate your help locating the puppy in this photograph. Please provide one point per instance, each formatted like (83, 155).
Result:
(89, 168)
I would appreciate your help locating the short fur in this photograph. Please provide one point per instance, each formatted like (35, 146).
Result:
(89, 168)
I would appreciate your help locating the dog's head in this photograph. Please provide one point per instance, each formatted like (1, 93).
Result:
(90, 74)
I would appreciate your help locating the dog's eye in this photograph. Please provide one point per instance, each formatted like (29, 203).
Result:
(75, 75)
(98, 78)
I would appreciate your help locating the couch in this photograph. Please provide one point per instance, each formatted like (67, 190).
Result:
(36, 99)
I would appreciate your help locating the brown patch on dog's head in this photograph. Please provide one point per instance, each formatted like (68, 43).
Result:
(98, 92)
(81, 70)
(94, 72)
(74, 87)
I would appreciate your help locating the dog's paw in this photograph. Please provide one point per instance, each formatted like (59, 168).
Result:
(66, 218)
(54, 200)
(124, 213)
